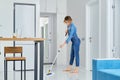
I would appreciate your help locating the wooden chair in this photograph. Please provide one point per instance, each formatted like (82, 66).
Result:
(13, 50)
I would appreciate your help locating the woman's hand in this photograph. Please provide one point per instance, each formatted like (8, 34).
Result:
(66, 31)
(62, 45)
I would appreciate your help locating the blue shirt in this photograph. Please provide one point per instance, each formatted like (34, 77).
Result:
(71, 32)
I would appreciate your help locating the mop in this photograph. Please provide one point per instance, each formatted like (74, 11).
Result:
(50, 73)
(50, 70)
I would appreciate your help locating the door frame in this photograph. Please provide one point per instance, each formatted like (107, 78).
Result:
(52, 17)
(110, 29)
(88, 56)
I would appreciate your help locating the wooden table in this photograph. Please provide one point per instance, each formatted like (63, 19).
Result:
(36, 41)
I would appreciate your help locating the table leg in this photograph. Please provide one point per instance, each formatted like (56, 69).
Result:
(41, 60)
(36, 61)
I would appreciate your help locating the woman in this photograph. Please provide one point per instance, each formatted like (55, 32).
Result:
(72, 36)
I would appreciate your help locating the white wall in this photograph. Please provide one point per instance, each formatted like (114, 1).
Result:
(61, 27)
(103, 22)
(6, 22)
(48, 6)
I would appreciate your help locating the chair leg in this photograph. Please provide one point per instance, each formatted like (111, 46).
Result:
(21, 70)
(4, 70)
(25, 70)
(13, 65)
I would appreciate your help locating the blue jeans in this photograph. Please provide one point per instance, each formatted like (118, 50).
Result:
(75, 52)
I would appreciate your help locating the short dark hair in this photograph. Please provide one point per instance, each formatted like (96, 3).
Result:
(67, 18)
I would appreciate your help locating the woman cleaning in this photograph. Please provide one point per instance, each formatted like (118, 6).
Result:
(72, 36)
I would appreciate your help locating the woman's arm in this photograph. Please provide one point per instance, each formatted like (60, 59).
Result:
(69, 37)
(71, 34)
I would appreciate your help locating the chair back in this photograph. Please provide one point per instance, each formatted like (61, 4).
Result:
(12, 50)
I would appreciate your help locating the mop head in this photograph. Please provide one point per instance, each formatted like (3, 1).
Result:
(50, 73)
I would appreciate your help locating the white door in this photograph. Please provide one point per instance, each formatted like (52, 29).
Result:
(46, 29)
(94, 32)
(116, 32)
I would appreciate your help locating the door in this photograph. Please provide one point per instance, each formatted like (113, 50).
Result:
(116, 32)
(25, 27)
(94, 32)
(46, 29)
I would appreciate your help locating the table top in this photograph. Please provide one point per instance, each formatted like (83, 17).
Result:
(22, 39)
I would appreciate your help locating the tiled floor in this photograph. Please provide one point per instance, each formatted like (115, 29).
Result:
(59, 74)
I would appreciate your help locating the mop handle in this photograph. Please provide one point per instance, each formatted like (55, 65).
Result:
(55, 59)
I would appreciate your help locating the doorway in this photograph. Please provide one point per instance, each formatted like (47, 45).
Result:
(47, 24)
(116, 28)
(92, 32)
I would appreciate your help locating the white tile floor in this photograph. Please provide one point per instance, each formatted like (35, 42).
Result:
(59, 74)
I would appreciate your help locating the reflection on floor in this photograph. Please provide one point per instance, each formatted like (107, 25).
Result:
(59, 74)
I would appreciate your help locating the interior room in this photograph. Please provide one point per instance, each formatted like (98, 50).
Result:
(59, 40)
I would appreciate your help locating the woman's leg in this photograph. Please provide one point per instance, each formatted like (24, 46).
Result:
(72, 55)
(76, 54)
